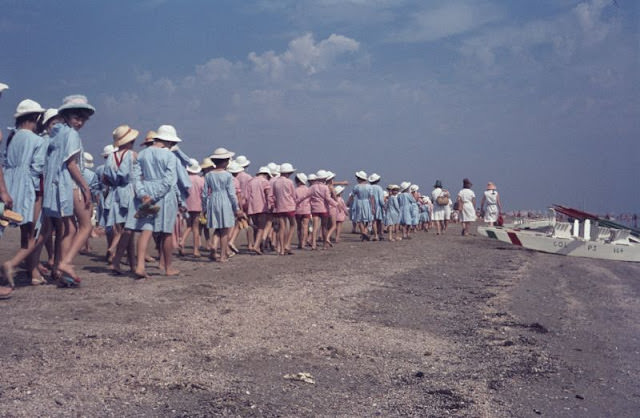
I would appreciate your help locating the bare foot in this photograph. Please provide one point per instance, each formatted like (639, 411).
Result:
(7, 272)
(67, 269)
(5, 292)
(172, 272)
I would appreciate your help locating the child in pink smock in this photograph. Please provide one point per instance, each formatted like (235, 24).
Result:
(193, 203)
(259, 205)
(284, 194)
(303, 209)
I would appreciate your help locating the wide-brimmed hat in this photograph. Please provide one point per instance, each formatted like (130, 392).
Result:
(491, 186)
(330, 175)
(414, 188)
(322, 174)
(312, 177)
(234, 167)
(148, 139)
(438, 183)
(88, 159)
(28, 106)
(302, 177)
(339, 189)
(108, 150)
(193, 167)
(373, 178)
(48, 115)
(404, 185)
(425, 199)
(207, 163)
(466, 182)
(76, 101)
(167, 133)
(221, 154)
(264, 170)
(124, 134)
(361, 175)
(242, 160)
(3, 87)
(286, 168)
(394, 187)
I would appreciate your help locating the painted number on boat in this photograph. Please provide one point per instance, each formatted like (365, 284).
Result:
(618, 250)
(591, 247)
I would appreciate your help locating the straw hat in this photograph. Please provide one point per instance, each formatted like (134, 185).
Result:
(302, 177)
(148, 139)
(286, 168)
(264, 170)
(234, 167)
(491, 186)
(425, 199)
(339, 189)
(3, 87)
(167, 133)
(221, 154)
(26, 107)
(48, 115)
(194, 167)
(404, 185)
(242, 160)
(312, 177)
(207, 163)
(361, 175)
(124, 134)
(438, 184)
(373, 178)
(395, 187)
(108, 150)
(76, 101)
(414, 188)
(88, 159)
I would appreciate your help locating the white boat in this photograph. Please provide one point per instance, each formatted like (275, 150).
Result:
(580, 239)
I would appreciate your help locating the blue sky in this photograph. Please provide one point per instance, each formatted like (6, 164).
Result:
(541, 97)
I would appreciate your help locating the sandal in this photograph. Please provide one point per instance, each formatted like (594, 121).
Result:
(38, 280)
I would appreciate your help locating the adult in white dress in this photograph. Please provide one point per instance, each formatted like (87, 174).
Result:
(493, 207)
(439, 211)
(466, 205)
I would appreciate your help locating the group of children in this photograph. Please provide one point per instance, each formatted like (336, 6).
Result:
(49, 182)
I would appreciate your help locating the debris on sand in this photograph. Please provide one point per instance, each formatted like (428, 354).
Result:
(302, 376)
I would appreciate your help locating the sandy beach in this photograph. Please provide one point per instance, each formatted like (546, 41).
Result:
(432, 326)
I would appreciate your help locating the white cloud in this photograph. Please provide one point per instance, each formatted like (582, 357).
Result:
(448, 19)
(216, 69)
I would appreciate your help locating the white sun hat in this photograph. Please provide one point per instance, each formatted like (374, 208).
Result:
(124, 134)
(207, 163)
(76, 101)
(48, 114)
(108, 150)
(167, 133)
(221, 154)
(404, 185)
(330, 175)
(373, 178)
(264, 170)
(28, 106)
(234, 167)
(414, 188)
(242, 160)
(302, 177)
(286, 168)
(194, 167)
(3, 87)
(312, 177)
(88, 159)
(339, 189)
(321, 174)
(361, 175)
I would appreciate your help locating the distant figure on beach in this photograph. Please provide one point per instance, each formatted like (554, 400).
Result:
(493, 208)
(466, 206)
(441, 199)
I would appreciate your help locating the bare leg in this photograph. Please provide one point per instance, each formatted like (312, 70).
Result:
(167, 250)
(143, 242)
(83, 215)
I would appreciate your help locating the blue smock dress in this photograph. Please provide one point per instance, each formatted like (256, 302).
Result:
(65, 145)
(118, 173)
(378, 198)
(24, 162)
(101, 188)
(415, 211)
(392, 211)
(362, 203)
(155, 176)
(404, 202)
(221, 200)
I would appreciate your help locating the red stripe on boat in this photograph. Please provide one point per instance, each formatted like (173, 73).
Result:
(514, 238)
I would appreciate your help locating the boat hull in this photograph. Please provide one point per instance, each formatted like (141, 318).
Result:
(575, 247)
